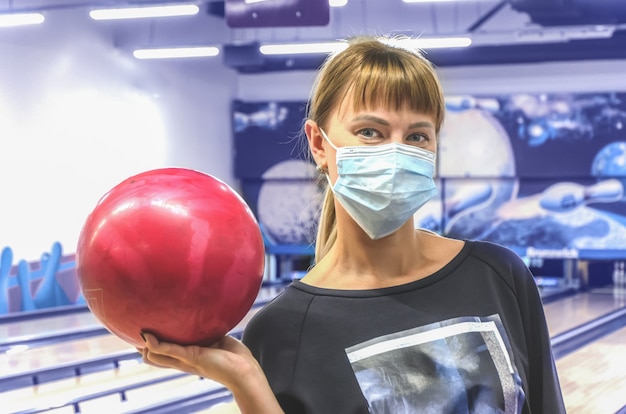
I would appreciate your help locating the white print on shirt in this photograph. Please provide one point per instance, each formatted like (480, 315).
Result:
(461, 365)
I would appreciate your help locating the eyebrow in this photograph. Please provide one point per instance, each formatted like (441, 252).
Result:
(372, 118)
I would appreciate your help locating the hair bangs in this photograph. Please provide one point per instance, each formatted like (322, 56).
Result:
(394, 81)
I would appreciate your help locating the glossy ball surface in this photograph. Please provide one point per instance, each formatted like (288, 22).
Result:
(174, 252)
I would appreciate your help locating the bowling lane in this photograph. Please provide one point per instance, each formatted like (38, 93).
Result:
(60, 354)
(45, 327)
(572, 311)
(54, 393)
(78, 323)
(73, 352)
(592, 378)
(58, 392)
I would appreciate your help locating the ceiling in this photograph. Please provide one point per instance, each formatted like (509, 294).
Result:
(511, 31)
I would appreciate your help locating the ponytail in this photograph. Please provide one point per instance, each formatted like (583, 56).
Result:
(327, 227)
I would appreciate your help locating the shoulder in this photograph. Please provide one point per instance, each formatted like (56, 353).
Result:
(495, 254)
(285, 313)
(503, 261)
(447, 249)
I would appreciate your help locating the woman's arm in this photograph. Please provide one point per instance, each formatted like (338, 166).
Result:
(544, 394)
(227, 361)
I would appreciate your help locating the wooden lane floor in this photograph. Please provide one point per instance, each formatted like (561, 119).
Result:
(75, 323)
(572, 311)
(128, 373)
(157, 386)
(59, 354)
(58, 393)
(67, 352)
(593, 378)
(14, 334)
(90, 384)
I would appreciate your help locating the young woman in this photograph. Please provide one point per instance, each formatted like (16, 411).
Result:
(390, 319)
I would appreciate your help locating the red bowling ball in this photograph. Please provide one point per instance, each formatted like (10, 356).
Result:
(174, 252)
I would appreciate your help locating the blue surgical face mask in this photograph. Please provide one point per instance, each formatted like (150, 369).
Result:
(382, 186)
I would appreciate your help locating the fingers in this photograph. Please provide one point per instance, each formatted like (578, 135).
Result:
(166, 349)
(178, 355)
(164, 361)
(227, 360)
(154, 356)
(147, 360)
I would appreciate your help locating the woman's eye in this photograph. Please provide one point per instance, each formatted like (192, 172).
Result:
(368, 133)
(419, 138)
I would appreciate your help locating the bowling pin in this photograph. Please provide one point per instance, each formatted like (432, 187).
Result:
(6, 260)
(23, 281)
(49, 293)
(619, 283)
(567, 196)
(606, 191)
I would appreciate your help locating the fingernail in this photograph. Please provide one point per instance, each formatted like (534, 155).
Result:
(142, 336)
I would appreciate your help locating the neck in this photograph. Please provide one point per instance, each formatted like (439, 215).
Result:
(358, 262)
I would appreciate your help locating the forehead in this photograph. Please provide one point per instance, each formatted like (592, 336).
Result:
(349, 108)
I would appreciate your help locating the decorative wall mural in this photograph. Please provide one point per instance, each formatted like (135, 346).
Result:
(544, 174)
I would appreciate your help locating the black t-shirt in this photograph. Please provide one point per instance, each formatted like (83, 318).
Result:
(471, 337)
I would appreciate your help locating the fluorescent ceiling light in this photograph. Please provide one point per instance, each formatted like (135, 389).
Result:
(434, 42)
(331, 47)
(176, 52)
(20, 19)
(434, 1)
(331, 3)
(302, 48)
(145, 12)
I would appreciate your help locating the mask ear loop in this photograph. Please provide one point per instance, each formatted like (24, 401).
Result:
(328, 139)
(321, 168)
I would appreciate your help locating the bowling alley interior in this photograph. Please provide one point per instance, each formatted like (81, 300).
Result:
(105, 103)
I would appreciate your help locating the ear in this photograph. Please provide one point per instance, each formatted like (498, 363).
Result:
(316, 143)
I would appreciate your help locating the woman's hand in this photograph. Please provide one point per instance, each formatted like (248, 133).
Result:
(226, 361)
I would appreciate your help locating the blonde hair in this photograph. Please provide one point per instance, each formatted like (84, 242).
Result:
(376, 73)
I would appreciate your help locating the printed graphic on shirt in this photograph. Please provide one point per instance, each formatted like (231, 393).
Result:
(461, 365)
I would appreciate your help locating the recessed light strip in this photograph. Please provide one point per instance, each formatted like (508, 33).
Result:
(331, 3)
(145, 12)
(302, 48)
(331, 47)
(435, 42)
(20, 19)
(176, 52)
(437, 1)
